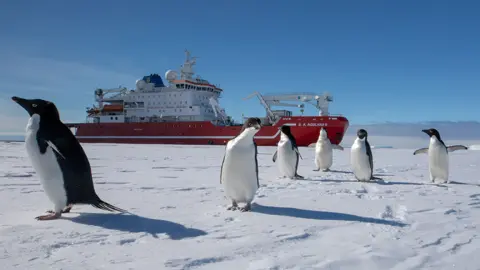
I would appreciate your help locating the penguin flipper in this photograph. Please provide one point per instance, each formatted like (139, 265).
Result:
(337, 147)
(298, 152)
(223, 161)
(256, 164)
(49, 143)
(421, 151)
(221, 168)
(274, 158)
(453, 148)
(370, 156)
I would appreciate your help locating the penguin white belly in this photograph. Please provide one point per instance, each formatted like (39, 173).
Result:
(323, 155)
(239, 176)
(438, 163)
(360, 162)
(48, 170)
(286, 159)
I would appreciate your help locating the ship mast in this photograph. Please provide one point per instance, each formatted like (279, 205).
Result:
(186, 71)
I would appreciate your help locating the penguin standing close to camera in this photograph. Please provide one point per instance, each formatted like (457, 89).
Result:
(59, 160)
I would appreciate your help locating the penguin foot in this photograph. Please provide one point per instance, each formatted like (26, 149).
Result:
(316, 170)
(49, 216)
(246, 208)
(298, 177)
(325, 170)
(233, 207)
(65, 210)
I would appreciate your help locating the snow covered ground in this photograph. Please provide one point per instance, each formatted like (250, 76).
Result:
(328, 221)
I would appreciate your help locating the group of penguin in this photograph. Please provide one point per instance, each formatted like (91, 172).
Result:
(66, 176)
(239, 170)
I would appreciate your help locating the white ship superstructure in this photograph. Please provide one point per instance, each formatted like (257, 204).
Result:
(184, 99)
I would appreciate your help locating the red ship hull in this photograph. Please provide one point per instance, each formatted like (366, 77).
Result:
(305, 129)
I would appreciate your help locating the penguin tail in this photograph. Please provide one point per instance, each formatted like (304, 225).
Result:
(108, 207)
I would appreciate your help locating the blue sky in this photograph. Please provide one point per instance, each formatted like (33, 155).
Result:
(405, 61)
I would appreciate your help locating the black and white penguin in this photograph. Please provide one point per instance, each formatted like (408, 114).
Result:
(287, 155)
(239, 170)
(59, 160)
(438, 155)
(324, 151)
(361, 157)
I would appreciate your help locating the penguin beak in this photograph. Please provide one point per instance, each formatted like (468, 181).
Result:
(426, 131)
(23, 102)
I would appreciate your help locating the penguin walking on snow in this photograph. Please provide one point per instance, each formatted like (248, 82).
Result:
(324, 151)
(239, 170)
(58, 159)
(287, 155)
(438, 155)
(361, 157)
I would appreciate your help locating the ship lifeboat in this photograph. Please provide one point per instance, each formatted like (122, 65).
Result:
(106, 109)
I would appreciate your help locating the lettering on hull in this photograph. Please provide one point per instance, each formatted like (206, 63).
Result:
(313, 125)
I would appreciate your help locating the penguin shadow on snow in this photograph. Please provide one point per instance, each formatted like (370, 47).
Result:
(350, 172)
(375, 179)
(136, 224)
(427, 183)
(320, 215)
(380, 181)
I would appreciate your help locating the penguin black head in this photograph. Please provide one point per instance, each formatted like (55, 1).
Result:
(362, 133)
(432, 132)
(286, 130)
(43, 108)
(252, 122)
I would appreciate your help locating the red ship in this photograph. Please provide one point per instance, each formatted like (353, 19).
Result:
(187, 111)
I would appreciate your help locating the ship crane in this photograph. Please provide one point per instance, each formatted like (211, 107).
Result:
(217, 110)
(318, 101)
(100, 94)
(270, 114)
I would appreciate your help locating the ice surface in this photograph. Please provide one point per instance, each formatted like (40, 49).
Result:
(474, 147)
(328, 221)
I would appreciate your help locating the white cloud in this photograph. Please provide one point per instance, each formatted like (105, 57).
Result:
(69, 85)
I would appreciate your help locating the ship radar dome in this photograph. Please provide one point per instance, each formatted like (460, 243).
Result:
(140, 84)
(171, 75)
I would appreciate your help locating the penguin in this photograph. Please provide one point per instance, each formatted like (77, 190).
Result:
(59, 160)
(287, 154)
(438, 155)
(324, 151)
(361, 157)
(239, 170)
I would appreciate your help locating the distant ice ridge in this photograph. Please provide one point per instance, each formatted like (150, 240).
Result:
(403, 142)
